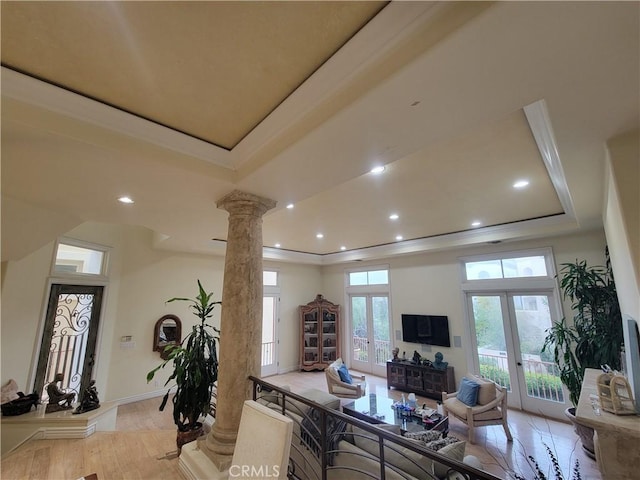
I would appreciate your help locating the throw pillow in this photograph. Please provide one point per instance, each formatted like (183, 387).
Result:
(468, 393)
(454, 451)
(426, 436)
(9, 391)
(436, 445)
(345, 376)
(487, 391)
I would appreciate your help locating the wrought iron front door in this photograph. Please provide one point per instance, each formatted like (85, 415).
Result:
(69, 337)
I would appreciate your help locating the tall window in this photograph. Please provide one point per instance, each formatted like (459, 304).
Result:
(369, 319)
(270, 319)
(511, 300)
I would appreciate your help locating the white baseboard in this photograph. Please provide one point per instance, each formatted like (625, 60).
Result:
(293, 368)
(142, 396)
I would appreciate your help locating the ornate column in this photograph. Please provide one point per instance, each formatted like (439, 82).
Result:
(241, 319)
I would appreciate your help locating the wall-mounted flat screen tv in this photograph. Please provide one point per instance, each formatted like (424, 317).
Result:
(427, 329)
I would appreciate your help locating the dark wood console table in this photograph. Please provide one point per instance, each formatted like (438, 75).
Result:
(420, 379)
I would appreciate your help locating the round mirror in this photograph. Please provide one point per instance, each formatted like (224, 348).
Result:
(168, 331)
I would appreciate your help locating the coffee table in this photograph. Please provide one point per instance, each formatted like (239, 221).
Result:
(375, 410)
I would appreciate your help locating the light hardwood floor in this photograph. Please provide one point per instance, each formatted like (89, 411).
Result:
(144, 437)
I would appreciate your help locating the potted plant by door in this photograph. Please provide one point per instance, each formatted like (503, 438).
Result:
(595, 338)
(195, 370)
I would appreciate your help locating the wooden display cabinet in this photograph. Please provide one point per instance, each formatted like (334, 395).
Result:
(320, 332)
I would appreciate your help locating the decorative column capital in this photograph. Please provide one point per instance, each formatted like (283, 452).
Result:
(243, 203)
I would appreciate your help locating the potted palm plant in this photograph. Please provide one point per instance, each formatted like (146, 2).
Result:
(594, 339)
(195, 369)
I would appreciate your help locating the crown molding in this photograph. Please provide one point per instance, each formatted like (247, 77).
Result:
(38, 93)
(540, 125)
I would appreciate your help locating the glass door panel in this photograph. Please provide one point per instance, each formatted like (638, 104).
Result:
(269, 357)
(370, 333)
(539, 375)
(491, 343)
(509, 332)
(381, 335)
(359, 334)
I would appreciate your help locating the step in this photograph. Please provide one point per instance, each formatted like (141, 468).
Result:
(63, 424)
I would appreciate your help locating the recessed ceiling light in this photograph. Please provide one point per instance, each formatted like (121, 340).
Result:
(290, 206)
(476, 223)
(343, 247)
(319, 235)
(398, 237)
(377, 170)
(394, 216)
(125, 200)
(521, 184)
(277, 245)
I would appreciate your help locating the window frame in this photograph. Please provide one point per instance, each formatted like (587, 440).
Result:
(73, 242)
(372, 268)
(507, 283)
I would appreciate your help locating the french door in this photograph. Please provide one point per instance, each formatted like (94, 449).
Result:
(69, 337)
(508, 332)
(370, 333)
(269, 355)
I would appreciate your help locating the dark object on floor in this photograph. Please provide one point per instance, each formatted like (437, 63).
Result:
(20, 405)
(93, 476)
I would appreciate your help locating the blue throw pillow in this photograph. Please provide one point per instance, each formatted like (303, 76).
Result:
(468, 392)
(344, 374)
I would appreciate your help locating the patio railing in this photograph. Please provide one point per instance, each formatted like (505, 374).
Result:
(382, 350)
(543, 378)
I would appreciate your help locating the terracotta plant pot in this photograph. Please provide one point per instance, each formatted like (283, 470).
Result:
(585, 433)
(188, 436)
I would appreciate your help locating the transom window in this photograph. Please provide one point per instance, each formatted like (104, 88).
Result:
(507, 267)
(369, 277)
(270, 278)
(78, 258)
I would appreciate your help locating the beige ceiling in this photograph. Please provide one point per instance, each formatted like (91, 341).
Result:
(178, 103)
(213, 70)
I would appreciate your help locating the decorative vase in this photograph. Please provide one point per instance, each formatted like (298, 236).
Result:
(585, 433)
(188, 436)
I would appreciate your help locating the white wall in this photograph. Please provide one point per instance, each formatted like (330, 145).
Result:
(430, 284)
(621, 217)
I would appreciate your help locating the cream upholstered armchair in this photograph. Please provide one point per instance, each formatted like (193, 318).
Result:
(340, 388)
(489, 407)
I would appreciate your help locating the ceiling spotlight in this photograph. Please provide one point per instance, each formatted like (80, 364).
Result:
(290, 206)
(398, 237)
(277, 245)
(377, 170)
(521, 184)
(476, 223)
(319, 235)
(394, 216)
(343, 247)
(125, 200)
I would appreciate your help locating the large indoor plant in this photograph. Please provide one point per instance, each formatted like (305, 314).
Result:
(195, 369)
(595, 336)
